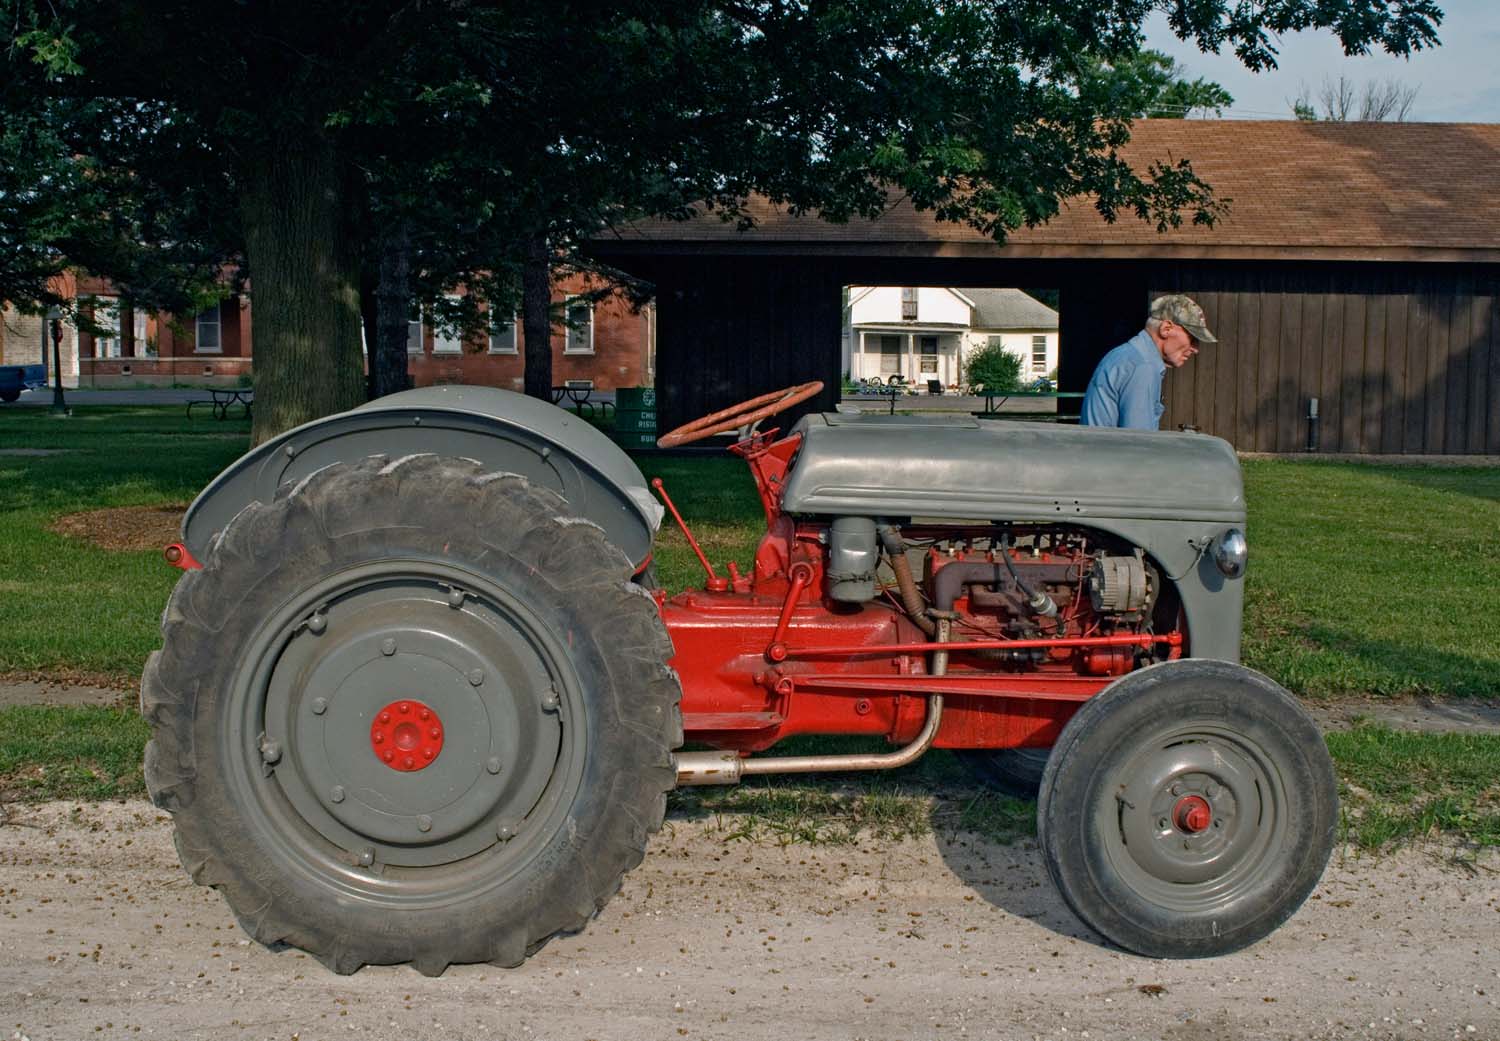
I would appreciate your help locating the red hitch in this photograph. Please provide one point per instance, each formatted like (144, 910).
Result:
(178, 556)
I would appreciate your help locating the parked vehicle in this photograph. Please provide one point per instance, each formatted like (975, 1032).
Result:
(16, 378)
(418, 700)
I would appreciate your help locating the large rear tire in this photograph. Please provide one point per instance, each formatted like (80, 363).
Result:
(1188, 810)
(411, 712)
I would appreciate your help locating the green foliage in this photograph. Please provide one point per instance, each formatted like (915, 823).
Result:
(993, 368)
(48, 752)
(1151, 84)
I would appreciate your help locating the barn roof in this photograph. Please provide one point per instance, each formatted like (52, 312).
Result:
(1296, 190)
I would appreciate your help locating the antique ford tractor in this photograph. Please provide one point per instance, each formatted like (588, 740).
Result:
(418, 699)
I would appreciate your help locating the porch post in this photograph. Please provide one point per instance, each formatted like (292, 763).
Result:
(911, 358)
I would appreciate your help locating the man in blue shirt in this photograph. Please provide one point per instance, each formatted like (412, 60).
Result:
(1126, 388)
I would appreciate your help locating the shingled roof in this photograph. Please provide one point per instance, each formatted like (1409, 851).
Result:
(1297, 190)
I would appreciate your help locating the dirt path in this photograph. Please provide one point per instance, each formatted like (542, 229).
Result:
(947, 937)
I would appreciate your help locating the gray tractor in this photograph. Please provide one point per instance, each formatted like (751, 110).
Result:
(419, 698)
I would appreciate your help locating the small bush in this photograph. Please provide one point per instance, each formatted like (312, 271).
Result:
(994, 369)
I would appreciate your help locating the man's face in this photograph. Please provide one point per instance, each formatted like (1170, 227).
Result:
(1177, 344)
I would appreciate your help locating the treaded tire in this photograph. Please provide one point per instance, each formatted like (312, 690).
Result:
(1015, 771)
(10, 395)
(294, 585)
(1135, 757)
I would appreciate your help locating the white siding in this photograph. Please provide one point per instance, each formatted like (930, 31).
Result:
(882, 305)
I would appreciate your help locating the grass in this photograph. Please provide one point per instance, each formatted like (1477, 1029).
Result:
(1364, 580)
(1376, 580)
(66, 605)
(52, 752)
(1400, 787)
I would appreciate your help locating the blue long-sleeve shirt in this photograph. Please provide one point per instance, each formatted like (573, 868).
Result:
(1125, 390)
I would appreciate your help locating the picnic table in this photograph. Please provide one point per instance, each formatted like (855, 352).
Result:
(221, 399)
(991, 410)
(578, 392)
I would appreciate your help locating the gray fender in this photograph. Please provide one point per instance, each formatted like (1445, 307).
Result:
(498, 429)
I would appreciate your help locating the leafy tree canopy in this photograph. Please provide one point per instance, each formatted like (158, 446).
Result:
(295, 136)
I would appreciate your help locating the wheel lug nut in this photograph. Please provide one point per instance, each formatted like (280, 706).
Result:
(493, 764)
(434, 732)
(506, 831)
(378, 737)
(425, 715)
(367, 856)
(1178, 789)
(424, 823)
(427, 753)
(270, 752)
(388, 646)
(408, 762)
(389, 756)
(1163, 824)
(385, 717)
(403, 708)
(549, 700)
(337, 794)
(1210, 789)
(476, 677)
(456, 597)
(317, 623)
(319, 706)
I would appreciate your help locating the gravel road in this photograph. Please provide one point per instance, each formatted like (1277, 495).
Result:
(944, 937)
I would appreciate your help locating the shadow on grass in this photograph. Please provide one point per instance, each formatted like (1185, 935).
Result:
(1413, 668)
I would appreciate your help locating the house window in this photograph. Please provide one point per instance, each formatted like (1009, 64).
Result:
(929, 354)
(995, 343)
(107, 318)
(580, 327)
(414, 332)
(206, 335)
(448, 340)
(890, 355)
(909, 304)
(503, 334)
(1039, 354)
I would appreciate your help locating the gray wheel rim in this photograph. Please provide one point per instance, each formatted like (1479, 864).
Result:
(307, 687)
(1180, 869)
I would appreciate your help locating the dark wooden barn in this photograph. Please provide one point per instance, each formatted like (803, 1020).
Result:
(1359, 265)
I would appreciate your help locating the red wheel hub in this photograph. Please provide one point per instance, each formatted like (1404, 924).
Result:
(1192, 814)
(406, 735)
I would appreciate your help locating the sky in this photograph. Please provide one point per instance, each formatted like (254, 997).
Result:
(1459, 81)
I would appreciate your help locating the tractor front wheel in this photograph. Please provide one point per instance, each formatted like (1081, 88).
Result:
(411, 712)
(1188, 810)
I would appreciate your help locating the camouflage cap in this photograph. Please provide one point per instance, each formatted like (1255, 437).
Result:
(1184, 311)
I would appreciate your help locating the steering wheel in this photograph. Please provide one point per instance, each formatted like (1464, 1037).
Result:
(745, 414)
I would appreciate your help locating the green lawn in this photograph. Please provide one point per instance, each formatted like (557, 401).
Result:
(65, 604)
(1363, 580)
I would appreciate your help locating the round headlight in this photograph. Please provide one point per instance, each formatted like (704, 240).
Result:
(1230, 551)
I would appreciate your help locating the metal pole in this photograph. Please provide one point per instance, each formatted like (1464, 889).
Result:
(59, 404)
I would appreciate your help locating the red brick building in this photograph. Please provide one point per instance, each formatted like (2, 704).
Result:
(604, 341)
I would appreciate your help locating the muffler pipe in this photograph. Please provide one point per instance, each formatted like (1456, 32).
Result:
(721, 767)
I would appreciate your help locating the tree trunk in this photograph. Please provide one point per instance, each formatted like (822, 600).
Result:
(304, 271)
(388, 372)
(536, 316)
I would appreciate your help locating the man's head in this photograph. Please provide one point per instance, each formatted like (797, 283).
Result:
(1178, 327)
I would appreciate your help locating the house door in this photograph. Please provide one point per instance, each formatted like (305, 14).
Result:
(890, 355)
(928, 346)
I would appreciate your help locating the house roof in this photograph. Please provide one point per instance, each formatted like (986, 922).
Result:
(1009, 309)
(1296, 190)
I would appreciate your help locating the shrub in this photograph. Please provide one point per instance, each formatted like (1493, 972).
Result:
(994, 369)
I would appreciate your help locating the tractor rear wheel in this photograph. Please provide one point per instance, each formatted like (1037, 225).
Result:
(1188, 810)
(1015, 771)
(411, 712)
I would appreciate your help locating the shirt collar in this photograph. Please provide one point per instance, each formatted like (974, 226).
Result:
(1142, 342)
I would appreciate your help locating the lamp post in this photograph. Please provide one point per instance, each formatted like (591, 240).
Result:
(59, 405)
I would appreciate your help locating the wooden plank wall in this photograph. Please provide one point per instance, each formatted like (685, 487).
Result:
(1402, 358)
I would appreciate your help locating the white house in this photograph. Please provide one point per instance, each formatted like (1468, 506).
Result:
(923, 333)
